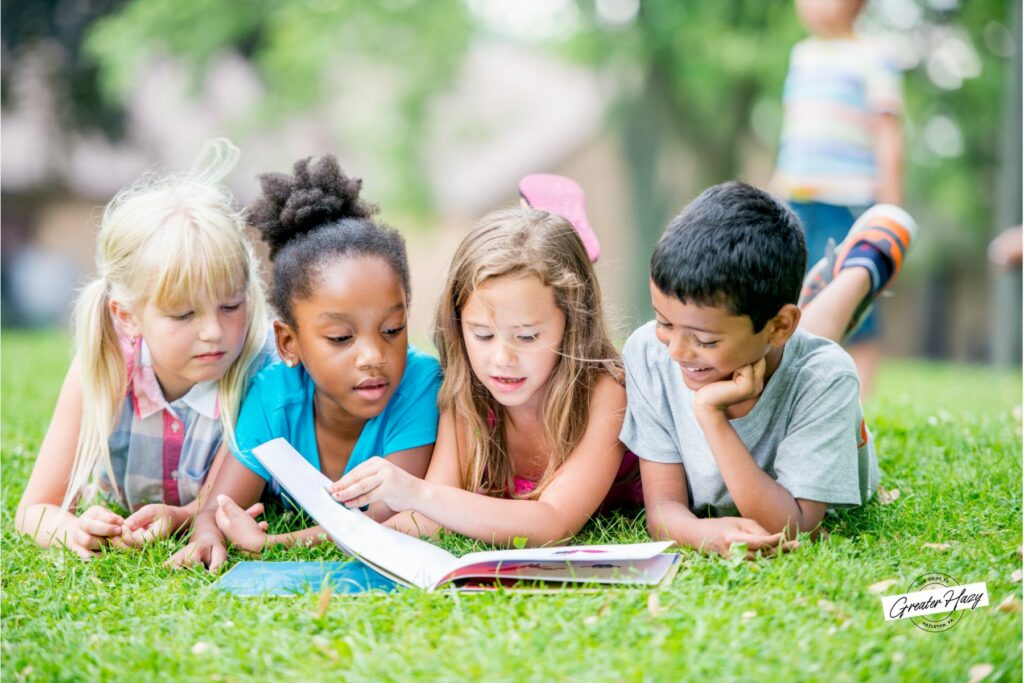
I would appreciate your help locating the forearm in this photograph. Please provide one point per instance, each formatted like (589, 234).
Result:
(757, 495)
(186, 515)
(669, 520)
(314, 535)
(45, 523)
(493, 520)
(414, 524)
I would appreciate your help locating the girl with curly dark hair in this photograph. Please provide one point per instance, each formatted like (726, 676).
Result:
(349, 386)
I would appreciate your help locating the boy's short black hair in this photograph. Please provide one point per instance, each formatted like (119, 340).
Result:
(733, 246)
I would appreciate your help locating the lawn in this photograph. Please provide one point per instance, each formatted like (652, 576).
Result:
(949, 439)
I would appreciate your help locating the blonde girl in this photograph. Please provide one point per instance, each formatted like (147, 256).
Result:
(532, 399)
(167, 335)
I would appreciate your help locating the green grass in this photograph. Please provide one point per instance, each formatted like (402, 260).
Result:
(948, 439)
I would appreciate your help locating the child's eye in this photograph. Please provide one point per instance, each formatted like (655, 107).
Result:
(231, 307)
(705, 344)
(663, 325)
(394, 331)
(483, 336)
(343, 339)
(527, 338)
(181, 316)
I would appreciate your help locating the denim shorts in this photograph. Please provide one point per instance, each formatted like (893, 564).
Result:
(824, 221)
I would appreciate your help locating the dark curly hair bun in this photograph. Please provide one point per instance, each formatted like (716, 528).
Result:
(318, 193)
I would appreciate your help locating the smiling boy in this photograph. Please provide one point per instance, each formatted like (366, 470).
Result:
(746, 418)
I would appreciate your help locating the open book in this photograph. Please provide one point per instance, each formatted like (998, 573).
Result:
(413, 562)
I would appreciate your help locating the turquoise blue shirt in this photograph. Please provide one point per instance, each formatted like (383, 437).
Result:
(280, 404)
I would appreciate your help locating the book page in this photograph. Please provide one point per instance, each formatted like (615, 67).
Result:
(396, 554)
(621, 572)
(570, 553)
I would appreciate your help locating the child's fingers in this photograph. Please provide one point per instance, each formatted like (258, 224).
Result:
(95, 527)
(757, 541)
(263, 526)
(147, 515)
(101, 513)
(255, 510)
(183, 558)
(222, 519)
(217, 556)
(358, 491)
(359, 473)
(88, 541)
(82, 552)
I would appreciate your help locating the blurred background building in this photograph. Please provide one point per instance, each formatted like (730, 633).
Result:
(441, 106)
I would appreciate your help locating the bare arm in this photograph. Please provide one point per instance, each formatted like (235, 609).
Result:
(414, 461)
(39, 512)
(669, 517)
(756, 494)
(208, 545)
(889, 158)
(239, 526)
(563, 508)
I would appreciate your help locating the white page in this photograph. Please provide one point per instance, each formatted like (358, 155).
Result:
(575, 553)
(410, 559)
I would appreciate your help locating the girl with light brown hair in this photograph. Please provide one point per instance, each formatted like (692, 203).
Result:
(532, 399)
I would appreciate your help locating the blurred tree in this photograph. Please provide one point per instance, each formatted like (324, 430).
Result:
(708, 76)
(695, 72)
(306, 53)
(53, 32)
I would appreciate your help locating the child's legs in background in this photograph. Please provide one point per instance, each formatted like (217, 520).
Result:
(828, 221)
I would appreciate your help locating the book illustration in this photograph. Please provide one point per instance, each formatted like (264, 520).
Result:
(414, 562)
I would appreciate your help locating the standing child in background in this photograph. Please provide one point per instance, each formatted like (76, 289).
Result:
(168, 334)
(349, 386)
(744, 410)
(532, 399)
(841, 148)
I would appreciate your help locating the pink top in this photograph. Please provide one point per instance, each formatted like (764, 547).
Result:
(626, 490)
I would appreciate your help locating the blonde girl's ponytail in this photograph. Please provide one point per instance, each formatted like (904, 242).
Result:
(103, 378)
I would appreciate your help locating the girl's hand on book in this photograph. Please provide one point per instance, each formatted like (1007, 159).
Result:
(377, 481)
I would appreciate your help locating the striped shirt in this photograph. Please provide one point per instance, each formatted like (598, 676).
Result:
(161, 451)
(834, 90)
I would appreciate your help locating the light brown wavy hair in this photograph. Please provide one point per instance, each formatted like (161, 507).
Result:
(519, 242)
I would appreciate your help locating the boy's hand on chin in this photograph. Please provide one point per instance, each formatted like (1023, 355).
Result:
(746, 383)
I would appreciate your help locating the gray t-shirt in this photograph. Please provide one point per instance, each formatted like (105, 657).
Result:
(806, 431)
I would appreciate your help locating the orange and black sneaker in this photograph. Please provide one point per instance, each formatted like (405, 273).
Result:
(879, 242)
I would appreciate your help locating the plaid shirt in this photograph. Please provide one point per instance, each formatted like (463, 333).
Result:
(161, 452)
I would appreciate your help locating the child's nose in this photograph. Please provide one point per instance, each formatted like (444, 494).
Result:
(211, 330)
(371, 354)
(504, 354)
(679, 350)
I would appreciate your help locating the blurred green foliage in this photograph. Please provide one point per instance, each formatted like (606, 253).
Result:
(307, 53)
(705, 77)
